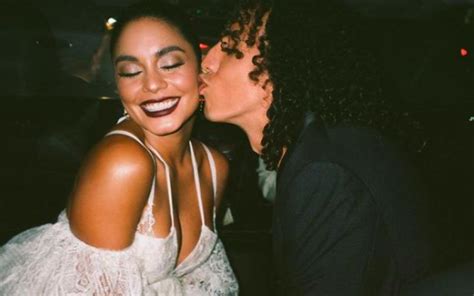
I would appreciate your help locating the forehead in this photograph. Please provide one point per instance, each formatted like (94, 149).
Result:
(149, 33)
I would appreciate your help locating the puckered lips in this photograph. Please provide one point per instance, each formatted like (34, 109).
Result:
(160, 107)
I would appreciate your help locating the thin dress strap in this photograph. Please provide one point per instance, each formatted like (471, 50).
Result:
(197, 182)
(168, 183)
(212, 165)
(123, 118)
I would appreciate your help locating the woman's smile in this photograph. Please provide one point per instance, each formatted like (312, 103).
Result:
(160, 107)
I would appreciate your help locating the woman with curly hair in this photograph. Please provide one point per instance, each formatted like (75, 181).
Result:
(306, 93)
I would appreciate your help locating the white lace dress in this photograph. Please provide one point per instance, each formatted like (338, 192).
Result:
(50, 260)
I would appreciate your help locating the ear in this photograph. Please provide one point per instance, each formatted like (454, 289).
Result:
(268, 93)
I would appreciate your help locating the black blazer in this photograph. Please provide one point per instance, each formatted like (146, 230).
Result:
(347, 219)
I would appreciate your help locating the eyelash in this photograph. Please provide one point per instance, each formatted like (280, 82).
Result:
(172, 66)
(166, 68)
(128, 75)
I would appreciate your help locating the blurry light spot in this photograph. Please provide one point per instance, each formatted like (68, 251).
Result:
(106, 98)
(464, 52)
(109, 24)
(203, 46)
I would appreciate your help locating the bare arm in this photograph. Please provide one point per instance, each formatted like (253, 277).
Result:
(110, 193)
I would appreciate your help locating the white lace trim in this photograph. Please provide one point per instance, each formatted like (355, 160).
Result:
(48, 260)
(147, 221)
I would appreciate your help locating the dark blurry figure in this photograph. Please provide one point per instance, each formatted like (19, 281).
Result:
(83, 54)
(30, 65)
(81, 69)
(65, 145)
(46, 132)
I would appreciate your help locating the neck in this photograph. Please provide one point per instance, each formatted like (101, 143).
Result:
(255, 138)
(253, 127)
(172, 147)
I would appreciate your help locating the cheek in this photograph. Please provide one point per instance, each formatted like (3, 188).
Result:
(127, 89)
(239, 85)
(122, 89)
(187, 84)
(236, 75)
(186, 81)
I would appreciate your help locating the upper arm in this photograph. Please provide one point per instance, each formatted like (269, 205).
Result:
(222, 173)
(110, 193)
(329, 224)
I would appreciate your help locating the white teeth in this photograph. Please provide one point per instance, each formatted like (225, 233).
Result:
(160, 106)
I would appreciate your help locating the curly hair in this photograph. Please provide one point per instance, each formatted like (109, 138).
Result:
(316, 61)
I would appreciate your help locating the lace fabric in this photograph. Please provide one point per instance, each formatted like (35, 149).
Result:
(215, 277)
(50, 260)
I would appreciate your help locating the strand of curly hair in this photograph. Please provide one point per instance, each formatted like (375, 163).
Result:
(315, 61)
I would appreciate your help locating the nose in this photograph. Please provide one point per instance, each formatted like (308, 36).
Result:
(153, 81)
(210, 63)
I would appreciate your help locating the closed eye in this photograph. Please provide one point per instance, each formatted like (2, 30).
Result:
(123, 74)
(169, 67)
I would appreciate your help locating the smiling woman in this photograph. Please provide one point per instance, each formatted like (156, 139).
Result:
(156, 70)
(141, 218)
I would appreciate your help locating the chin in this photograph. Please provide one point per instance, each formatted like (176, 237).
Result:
(173, 126)
(207, 115)
(211, 116)
(163, 128)
(164, 131)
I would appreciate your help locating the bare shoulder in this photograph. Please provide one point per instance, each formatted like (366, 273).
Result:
(116, 156)
(110, 193)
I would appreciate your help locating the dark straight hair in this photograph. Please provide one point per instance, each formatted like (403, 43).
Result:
(159, 10)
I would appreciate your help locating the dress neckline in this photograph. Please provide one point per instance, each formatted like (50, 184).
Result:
(205, 230)
(197, 183)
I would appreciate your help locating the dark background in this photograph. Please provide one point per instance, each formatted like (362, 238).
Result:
(47, 134)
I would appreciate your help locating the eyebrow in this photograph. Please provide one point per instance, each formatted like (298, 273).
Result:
(169, 49)
(160, 53)
(122, 58)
